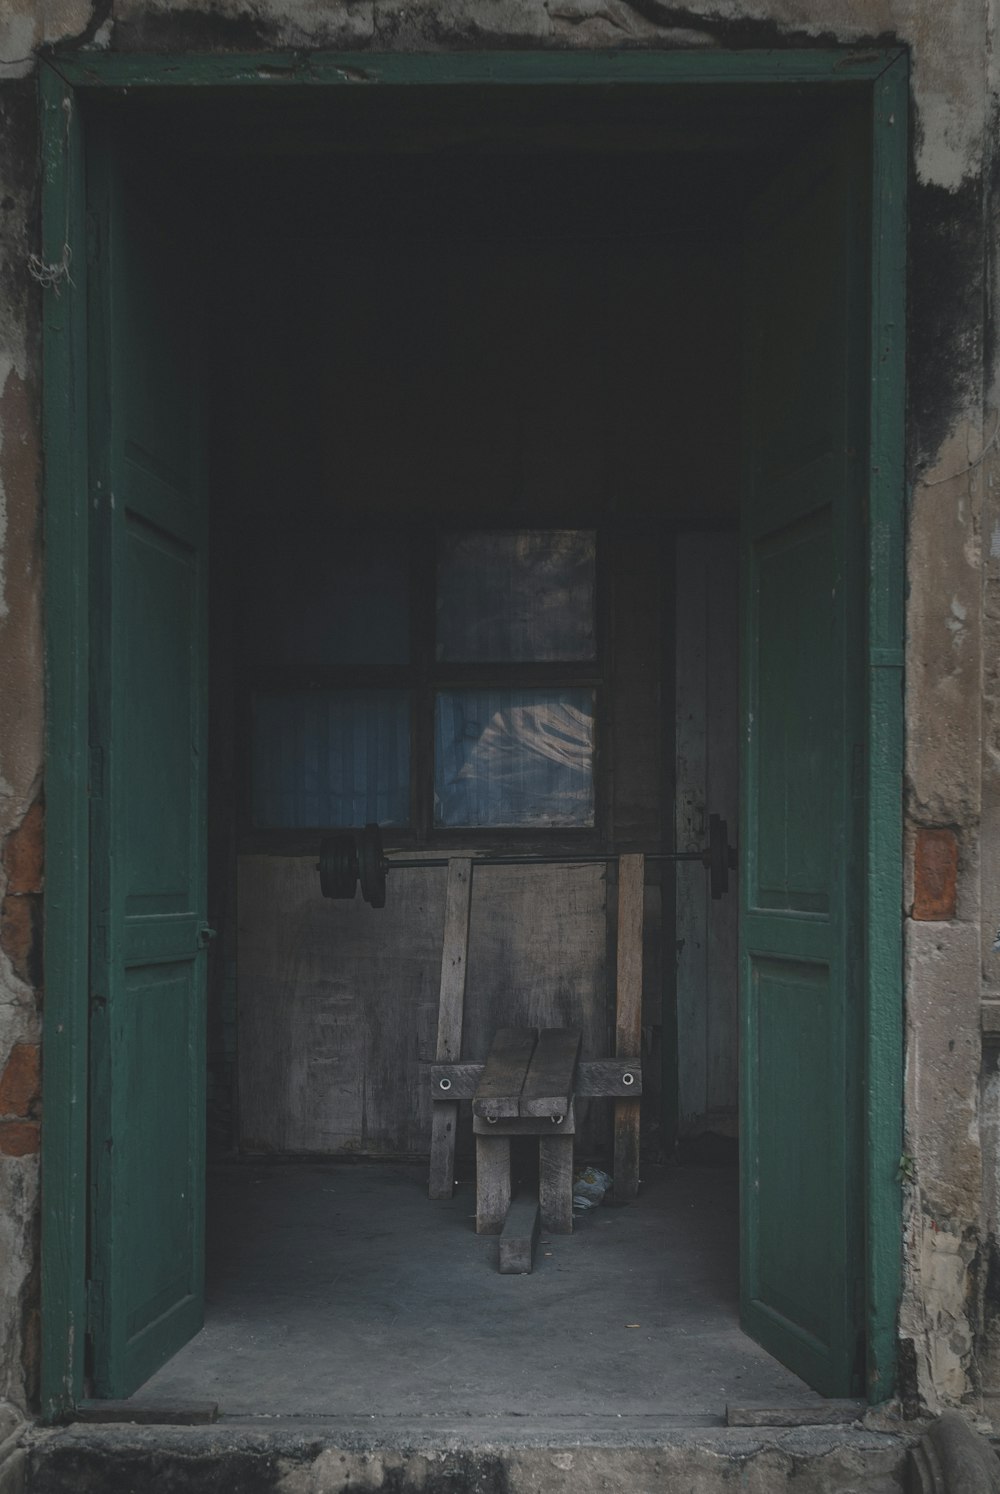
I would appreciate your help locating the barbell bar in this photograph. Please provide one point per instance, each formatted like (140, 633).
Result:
(345, 860)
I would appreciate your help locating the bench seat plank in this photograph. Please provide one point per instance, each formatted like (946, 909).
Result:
(498, 1093)
(596, 1079)
(549, 1083)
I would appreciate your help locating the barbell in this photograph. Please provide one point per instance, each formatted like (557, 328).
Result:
(347, 860)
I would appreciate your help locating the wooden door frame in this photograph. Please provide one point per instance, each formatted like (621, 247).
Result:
(67, 80)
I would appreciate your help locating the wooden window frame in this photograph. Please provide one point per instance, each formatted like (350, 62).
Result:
(424, 677)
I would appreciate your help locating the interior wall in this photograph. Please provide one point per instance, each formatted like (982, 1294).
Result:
(522, 372)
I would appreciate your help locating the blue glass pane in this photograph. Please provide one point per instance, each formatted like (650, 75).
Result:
(516, 595)
(514, 757)
(339, 757)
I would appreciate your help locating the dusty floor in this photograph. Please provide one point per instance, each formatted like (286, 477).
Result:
(341, 1291)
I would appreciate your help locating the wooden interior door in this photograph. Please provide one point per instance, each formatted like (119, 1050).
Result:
(148, 757)
(803, 766)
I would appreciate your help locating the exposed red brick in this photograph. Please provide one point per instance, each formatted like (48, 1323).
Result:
(935, 874)
(21, 936)
(20, 1082)
(23, 855)
(19, 1138)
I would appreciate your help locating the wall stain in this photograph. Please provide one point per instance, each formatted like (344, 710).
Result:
(945, 312)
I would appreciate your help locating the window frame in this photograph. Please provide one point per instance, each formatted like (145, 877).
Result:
(424, 677)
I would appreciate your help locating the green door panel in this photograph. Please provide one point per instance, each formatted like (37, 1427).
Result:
(148, 736)
(801, 933)
(791, 580)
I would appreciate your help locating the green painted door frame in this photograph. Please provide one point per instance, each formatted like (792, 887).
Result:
(67, 81)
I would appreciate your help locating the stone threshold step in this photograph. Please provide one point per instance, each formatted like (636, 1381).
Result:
(574, 1455)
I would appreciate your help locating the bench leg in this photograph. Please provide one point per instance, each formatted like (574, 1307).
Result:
(492, 1183)
(555, 1183)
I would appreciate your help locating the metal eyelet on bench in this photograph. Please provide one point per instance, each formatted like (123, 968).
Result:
(557, 1120)
(628, 1079)
(444, 1083)
(491, 1120)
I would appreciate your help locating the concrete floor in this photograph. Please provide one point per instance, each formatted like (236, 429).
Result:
(340, 1291)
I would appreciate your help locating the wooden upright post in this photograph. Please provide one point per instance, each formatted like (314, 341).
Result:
(451, 1009)
(628, 1018)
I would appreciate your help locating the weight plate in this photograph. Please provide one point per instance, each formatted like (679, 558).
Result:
(338, 866)
(372, 866)
(718, 848)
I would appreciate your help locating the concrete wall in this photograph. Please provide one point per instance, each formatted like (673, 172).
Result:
(953, 674)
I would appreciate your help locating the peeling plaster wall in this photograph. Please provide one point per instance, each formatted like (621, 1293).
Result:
(953, 620)
(21, 723)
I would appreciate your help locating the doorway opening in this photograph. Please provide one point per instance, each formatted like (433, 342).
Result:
(475, 487)
(475, 370)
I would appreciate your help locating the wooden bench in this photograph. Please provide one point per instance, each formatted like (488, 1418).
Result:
(526, 1089)
(530, 1081)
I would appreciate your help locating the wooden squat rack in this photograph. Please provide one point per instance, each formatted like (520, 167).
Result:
(529, 1082)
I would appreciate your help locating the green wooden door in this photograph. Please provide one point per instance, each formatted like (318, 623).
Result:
(148, 761)
(803, 767)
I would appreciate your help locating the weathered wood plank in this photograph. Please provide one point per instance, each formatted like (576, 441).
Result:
(451, 1010)
(555, 1183)
(604, 1078)
(538, 958)
(492, 1183)
(628, 1018)
(454, 960)
(596, 1079)
(498, 1093)
(444, 1125)
(527, 1125)
(628, 993)
(519, 1236)
(337, 1002)
(550, 1080)
(626, 1150)
(454, 1081)
(537, 954)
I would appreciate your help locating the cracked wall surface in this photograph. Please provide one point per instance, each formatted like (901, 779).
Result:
(952, 972)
